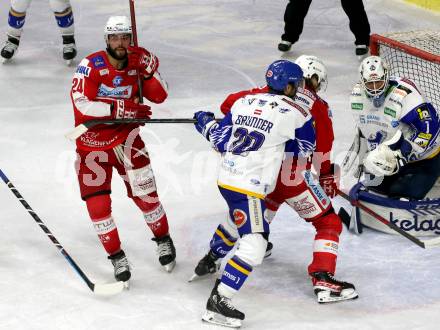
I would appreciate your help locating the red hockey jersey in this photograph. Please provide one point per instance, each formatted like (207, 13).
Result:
(95, 86)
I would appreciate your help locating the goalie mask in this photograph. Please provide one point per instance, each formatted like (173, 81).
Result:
(312, 65)
(374, 76)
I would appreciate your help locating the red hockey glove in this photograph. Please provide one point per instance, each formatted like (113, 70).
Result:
(330, 181)
(126, 109)
(142, 60)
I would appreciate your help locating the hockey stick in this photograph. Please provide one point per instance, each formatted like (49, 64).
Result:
(423, 244)
(82, 128)
(104, 289)
(135, 43)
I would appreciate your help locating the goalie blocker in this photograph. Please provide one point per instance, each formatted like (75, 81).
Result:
(416, 217)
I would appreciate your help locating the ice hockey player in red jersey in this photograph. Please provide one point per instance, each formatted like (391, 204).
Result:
(297, 187)
(105, 86)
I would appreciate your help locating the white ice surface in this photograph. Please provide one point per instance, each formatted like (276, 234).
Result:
(207, 49)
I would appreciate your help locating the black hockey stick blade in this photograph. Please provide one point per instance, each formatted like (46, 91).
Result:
(345, 217)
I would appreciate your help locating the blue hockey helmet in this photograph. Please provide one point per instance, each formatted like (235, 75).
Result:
(281, 73)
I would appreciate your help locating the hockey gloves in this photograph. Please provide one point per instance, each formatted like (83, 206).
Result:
(330, 181)
(126, 109)
(142, 60)
(204, 122)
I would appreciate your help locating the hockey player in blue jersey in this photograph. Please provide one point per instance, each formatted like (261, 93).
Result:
(398, 135)
(252, 139)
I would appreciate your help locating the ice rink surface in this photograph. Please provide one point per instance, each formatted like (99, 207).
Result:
(207, 49)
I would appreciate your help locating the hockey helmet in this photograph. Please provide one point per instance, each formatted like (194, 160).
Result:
(281, 73)
(312, 65)
(374, 75)
(117, 25)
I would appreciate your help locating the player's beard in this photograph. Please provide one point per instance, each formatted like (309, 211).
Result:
(117, 53)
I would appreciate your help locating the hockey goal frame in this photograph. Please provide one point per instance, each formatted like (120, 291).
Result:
(376, 39)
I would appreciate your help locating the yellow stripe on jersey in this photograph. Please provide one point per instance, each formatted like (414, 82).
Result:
(242, 191)
(238, 267)
(223, 237)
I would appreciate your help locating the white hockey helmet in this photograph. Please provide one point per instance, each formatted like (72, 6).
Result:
(117, 25)
(312, 65)
(374, 75)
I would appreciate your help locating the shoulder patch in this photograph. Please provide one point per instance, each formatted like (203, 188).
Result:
(98, 62)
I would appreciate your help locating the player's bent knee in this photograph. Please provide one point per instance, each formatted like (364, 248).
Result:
(252, 248)
(330, 223)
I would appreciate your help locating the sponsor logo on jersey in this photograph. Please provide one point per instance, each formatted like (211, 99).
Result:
(132, 72)
(103, 72)
(427, 225)
(117, 92)
(273, 104)
(240, 217)
(296, 106)
(423, 139)
(395, 123)
(302, 99)
(357, 106)
(423, 114)
(283, 110)
(304, 207)
(117, 81)
(262, 103)
(362, 119)
(396, 101)
(390, 112)
(250, 101)
(258, 112)
(98, 62)
(84, 70)
(255, 182)
(400, 92)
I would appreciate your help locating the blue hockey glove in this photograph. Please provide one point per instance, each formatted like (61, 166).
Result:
(204, 121)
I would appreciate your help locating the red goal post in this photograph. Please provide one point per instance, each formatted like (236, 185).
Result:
(414, 55)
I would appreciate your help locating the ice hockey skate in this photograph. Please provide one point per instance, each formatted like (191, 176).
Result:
(122, 267)
(69, 49)
(166, 252)
(10, 48)
(219, 310)
(328, 289)
(209, 264)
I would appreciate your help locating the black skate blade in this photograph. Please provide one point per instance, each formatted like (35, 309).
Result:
(218, 319)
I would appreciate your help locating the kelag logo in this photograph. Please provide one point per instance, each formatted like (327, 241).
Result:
(424, 225)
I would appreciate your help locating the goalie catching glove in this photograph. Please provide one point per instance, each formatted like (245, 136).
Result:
(126, 109)
(389, 156)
